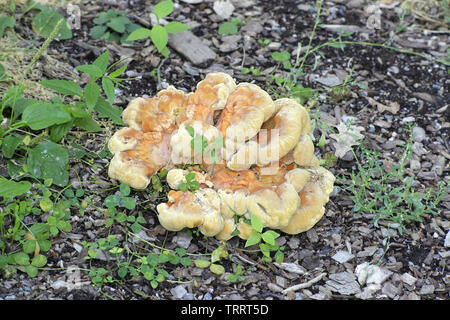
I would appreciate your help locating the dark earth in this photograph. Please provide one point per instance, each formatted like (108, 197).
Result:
(412, 265)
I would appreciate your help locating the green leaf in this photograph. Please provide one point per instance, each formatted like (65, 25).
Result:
(43, 115)
(281, 56)
(29, 246)
(45, 21)
(200, 263)
(21, 258)
(118, 72)
(10, 188)
(118, 24)
(139, 34)
(91, 94)
(6, 22)
(10, 144)
(163, 9)
(217, 269)
(39, 261)
(57, 132)
(93, 71)
(63, 86)
(129, 203)
(256, 223)
(98, 31)
(228, 28)
(46, 204)
(190, 130)
(112, 201)
(254, 238)
(49, 160)
(159, 37)
(32, 271)
(124, 189)
(102, 61)
(175, 27)
(88, 124)
(108, 88)
(186, 261)
(106, 110)
(269, 236)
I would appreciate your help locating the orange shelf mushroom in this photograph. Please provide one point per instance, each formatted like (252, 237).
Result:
(256, 158)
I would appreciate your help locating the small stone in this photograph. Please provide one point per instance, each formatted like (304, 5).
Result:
(368, 273)
(447, 240)
(253, 27)
(312, 235)
(178, 292)
(418, 134)
(408, 119)
(223, 9)
(329, 80)
(390, 290)
(342, 256)
(427, 289)
(414, 165)
(291, 267)
(274, 287)
(192, 1)
(282, 282)
(274, 46)
(182, 239)
(408, 279)
(344, 283)
(207, 296)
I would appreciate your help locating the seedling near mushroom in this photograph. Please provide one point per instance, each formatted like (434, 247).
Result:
(250, 158)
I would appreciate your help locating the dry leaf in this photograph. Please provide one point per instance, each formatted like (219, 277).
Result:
(347, 137)
(392, 107)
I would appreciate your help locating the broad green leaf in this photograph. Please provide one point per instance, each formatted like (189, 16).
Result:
(108, 88)
(29, 246)
(217, 269)
(112, 201)
(118, 24)
(45, 21)
(43, 115)
(269, 236)
(88, 124)
(91, 94)
(256, 223)
(200, 263)
(57, 132)
(102, 61)
(129, 203)
(98, 31)
(49, 160)
(124, 189)
(10, 188)
(63, 86)
(254, 238)
(106, 110)
(139, 34)
(39, 261)
(190, 130)
(163, 9)
(175, 27)
(32, 271)
(93, 71)
(281, 56)
(10, 144)
(46, 204)
(6, 22)
(159, 37)
(228, 28)
(21, 258)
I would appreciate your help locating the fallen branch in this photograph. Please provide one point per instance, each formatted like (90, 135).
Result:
(305, 285)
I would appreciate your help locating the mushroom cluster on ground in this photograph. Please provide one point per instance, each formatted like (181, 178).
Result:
(246, 153)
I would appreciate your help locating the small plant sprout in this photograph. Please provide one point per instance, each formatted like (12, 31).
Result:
(160, 34)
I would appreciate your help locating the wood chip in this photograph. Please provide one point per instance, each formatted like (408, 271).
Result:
(191, 47)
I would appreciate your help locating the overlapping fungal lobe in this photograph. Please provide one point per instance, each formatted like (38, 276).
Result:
(256, 158)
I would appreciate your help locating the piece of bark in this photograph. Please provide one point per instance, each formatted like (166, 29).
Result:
(192, 48)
